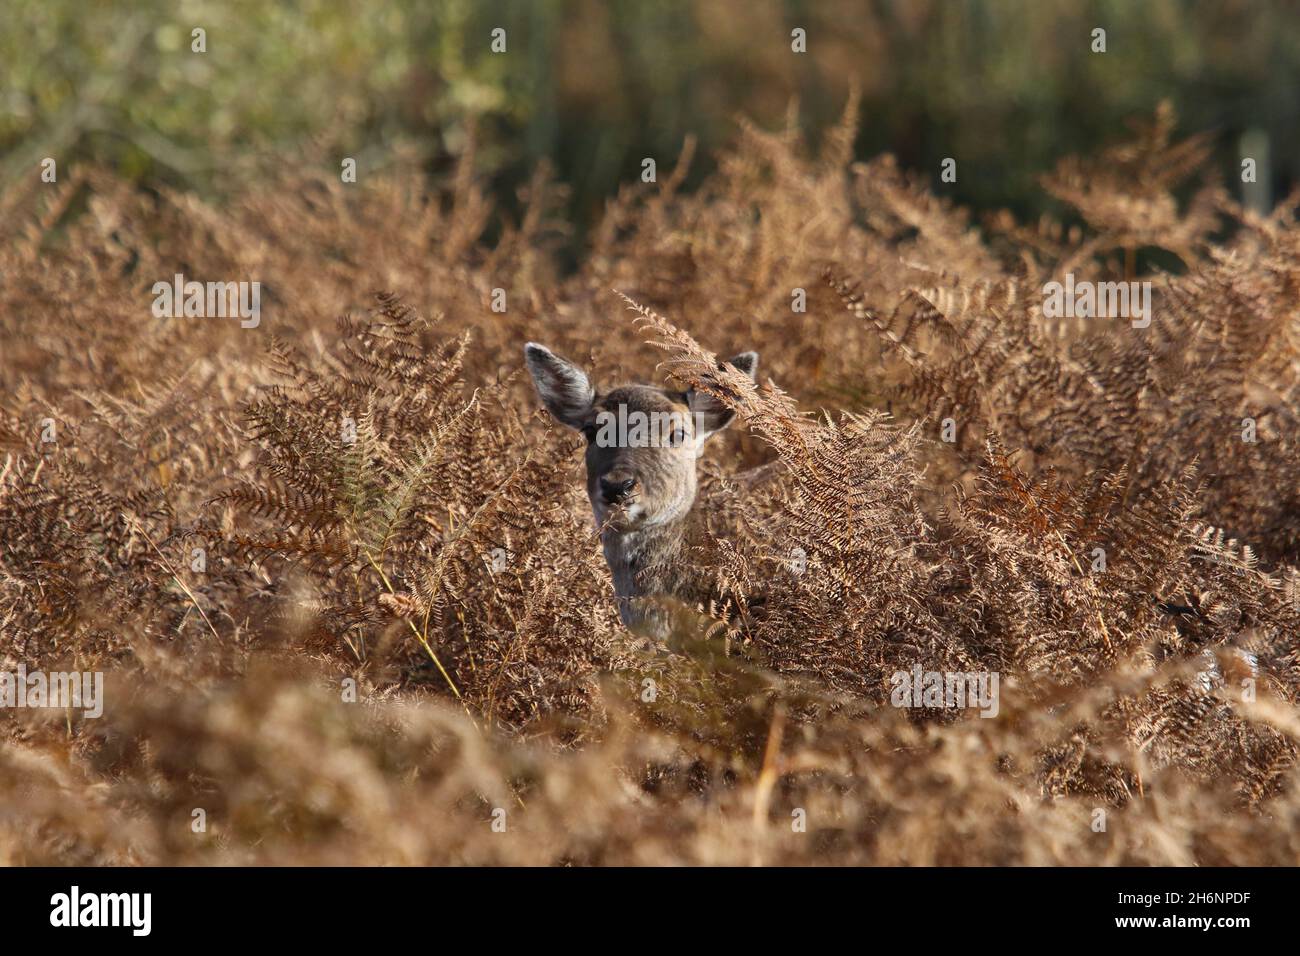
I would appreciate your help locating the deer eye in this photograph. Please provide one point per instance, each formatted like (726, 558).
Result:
(589, 432)
(678, 437)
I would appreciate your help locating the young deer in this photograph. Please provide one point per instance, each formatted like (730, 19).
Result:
(642, 445)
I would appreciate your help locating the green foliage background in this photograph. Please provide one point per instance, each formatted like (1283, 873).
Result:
(593, 87)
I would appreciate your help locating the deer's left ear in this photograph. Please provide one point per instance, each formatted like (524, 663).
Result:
(709, 413)
(561, 385)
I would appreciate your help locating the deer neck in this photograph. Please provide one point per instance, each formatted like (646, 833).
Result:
(644, 561)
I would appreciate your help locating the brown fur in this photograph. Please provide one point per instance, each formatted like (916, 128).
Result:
(642, 537)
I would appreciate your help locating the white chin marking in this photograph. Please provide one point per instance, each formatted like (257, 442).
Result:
(627, 518)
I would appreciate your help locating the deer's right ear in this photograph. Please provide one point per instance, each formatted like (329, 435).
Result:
(561, 385)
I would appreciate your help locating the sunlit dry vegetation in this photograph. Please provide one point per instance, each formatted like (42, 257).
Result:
(445, 560)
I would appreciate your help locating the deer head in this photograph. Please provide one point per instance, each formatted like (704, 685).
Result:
(642, 441)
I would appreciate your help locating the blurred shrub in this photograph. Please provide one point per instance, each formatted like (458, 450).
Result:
(1006, 88)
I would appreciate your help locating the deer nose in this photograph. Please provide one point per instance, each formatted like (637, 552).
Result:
(615, 488)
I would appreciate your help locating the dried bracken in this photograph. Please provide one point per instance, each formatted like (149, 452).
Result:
(341, 575)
